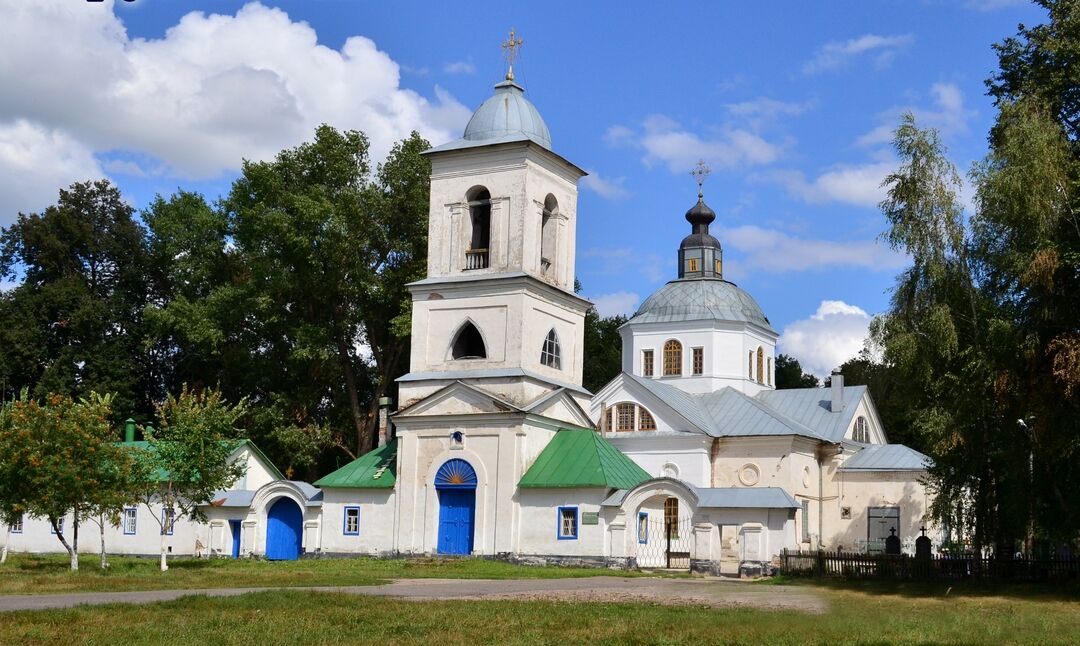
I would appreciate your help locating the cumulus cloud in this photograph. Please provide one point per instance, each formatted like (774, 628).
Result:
(664, 141)
(826, 339)
(836, 54)
(611, 188)
(35, 162)
(769, 250)
(855, 184)
(215, 89)
(763, 111)
(624, 303)
(948, 114)
(459, 67)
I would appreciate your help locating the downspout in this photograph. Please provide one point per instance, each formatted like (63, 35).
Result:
(821, 500)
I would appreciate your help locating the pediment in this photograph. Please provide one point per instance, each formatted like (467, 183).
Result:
(561, 405)
(458, 398)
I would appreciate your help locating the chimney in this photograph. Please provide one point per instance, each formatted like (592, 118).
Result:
(129, 430)
(384, 421)
(837, 405)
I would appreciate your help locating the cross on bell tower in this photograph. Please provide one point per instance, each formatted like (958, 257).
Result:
(510, 48)
(700, 254)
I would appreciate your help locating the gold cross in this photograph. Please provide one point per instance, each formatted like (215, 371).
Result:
(510, 47)
(700, 172)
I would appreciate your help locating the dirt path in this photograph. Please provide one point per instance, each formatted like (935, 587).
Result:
(705, 592)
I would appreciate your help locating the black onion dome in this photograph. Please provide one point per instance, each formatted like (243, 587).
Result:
(700, 216)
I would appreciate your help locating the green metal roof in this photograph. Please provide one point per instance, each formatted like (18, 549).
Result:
(582, 458)
(373, 470)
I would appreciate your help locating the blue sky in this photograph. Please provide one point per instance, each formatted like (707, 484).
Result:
(790, 103)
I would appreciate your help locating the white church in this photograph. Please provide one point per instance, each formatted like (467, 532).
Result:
(689, 459)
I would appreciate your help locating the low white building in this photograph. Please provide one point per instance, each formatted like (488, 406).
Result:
(688, 459)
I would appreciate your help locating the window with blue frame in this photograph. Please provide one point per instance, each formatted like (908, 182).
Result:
(16, 527)
(130, 518)
(352, 521)
(568, 523)
(168, 519)
(643, 527)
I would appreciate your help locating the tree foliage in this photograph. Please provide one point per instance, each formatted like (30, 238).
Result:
(603, 349)
(788, 373)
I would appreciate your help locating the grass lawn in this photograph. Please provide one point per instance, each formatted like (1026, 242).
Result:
(31, 574)
(294, 617)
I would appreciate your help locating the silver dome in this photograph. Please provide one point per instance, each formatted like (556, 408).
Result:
(698, 299)
(508, 114)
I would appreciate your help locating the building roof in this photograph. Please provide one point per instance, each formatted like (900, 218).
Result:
(374, 470)
(236, 446)
(505, 117)
(813, 407)
(886, 457)
(582, 458)
(700, 299)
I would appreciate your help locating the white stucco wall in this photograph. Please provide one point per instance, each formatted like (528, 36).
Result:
(537, 530)
(377, 512)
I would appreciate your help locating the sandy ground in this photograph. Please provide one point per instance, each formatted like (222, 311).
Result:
(716, 593)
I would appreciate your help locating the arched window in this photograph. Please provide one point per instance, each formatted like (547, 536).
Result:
(768, 370)
(671, 517)
(672, 358)
(548, 234)
(645, 420)
(468, 343)
(624, 417)
(476, 257)
(861, 433)
(760, 365)
(549, 354)
(750, 366)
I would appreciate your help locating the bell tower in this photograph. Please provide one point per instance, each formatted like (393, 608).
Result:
(498, 308)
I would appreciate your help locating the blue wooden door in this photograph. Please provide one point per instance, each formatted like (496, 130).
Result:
(456, 511)
(284, 522)
(234, 527)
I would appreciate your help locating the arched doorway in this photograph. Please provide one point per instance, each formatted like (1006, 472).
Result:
(455, 483)
(284, 524)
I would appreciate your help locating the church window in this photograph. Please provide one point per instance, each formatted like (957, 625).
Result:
(168, 521)
(609, 416)
(352, 521)
(692, 264)
(805, 517)
(768, 370)
(719, 267)
(643, 527)
(131, 515)
(647, 363)
(699, 360)
(760, 365)
(625, 417)
(568, 525)
(17, 526)
(671, 517)
(862, 431)
(480, 234)
(750, 366)
(468, 344)
(645, 420)
(548, 234)
(549, 354)
(672, 358)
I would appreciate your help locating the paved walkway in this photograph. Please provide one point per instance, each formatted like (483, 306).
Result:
(708, 592)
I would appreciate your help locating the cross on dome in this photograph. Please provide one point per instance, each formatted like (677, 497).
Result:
(510, 48)
(700, 173)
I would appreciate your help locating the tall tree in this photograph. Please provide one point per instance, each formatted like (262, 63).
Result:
(74, 324)
(188, 458)
(789, 374)
(603, 349)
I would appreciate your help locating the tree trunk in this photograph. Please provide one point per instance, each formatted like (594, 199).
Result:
(75, 539)
(363, 433)
(101, 526)
(7, 542)
(164, 564)
(63, 541)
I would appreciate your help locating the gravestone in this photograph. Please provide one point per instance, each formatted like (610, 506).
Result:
(892, 543)
(922, 546)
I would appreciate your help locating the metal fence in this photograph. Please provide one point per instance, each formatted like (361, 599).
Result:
(886, 566)
(665, 545)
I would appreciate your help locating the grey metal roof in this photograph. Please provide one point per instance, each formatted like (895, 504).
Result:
(726, 412)
(812, 407)
(490, 373)
(886, 457)
(235, 498)
(745, 498)
(700, 299)
(507, 116)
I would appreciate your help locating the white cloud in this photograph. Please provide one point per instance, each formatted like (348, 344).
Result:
(826, 339)
(618, 136)
(836, 54)
(763, 110)
(459, 67)
(768, 250)
(610, 188)
(35, 162)
(855, 184)
(624, 303)
(949, 115)
(666, 142)
(215, 89)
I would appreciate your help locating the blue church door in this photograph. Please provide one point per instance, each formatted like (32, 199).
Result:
(284, 524)
(456, 485)
(234, 527)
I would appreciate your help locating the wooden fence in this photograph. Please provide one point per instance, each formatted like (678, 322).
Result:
(883, 566)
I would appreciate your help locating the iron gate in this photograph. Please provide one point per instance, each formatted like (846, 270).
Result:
(665, 544)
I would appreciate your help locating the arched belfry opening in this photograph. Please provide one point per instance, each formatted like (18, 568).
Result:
(549, 235)
(468, 343)
(479, 200)
(551, 353)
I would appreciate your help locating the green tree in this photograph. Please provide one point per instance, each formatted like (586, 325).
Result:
(890, 393)
(188, 458)
(603, 349)
(74, 324)
(58, 458)
(789, 374)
